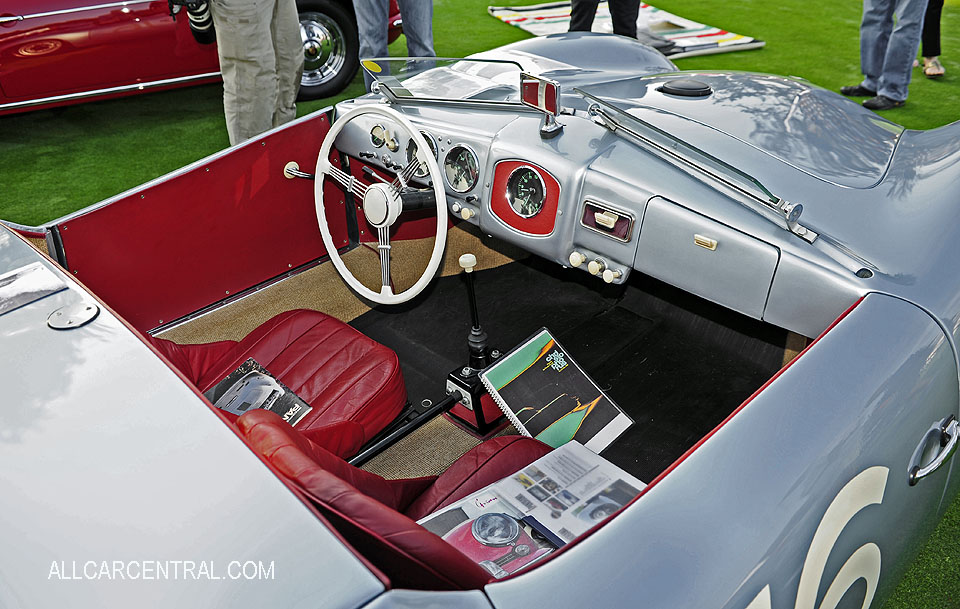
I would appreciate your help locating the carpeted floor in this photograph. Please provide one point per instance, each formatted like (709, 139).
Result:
(678, 365)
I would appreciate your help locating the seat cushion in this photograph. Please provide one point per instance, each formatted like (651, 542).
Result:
(483, 465)
(344, 375)
(408, 554)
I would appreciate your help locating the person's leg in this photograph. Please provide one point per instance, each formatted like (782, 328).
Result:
(288, 48)
(930, 39)
(248, 66)
(418, 26)
(624, 14)
(902, 49)
(582, 13)
(372, 25)
(875, 31)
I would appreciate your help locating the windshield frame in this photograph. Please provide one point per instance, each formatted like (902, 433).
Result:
(400, 95)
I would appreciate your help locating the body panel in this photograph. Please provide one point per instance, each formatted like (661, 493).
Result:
(181, 485)
(59, 53)
(740, 512)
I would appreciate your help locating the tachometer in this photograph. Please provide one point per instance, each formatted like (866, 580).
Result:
(461, 168)
(525, 191)
(422, 170)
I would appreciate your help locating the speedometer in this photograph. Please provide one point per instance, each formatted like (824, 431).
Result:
(461, 168)
(525, 191)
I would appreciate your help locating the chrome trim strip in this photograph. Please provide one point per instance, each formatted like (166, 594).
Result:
(10, 19)
(615, 209)
(78, 9)
(107, 91)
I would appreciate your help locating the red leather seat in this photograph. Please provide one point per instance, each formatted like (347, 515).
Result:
(377, 515)
(352, 382)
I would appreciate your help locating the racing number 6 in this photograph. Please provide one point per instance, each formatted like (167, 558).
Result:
(865, 489)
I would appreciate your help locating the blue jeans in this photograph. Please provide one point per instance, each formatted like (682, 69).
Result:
(372, 24)
(887, 49)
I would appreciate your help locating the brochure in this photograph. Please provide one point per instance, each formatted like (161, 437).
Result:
(251, 386)
(527, 515)
(546, 395)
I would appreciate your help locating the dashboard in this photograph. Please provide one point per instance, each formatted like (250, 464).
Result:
(497, 175)
(597, 202)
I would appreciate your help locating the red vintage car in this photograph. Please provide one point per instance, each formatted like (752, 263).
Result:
(60, 52)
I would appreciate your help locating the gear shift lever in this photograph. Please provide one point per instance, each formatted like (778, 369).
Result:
(477, 340)
(465, 379)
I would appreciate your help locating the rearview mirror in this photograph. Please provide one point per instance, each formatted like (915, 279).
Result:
(543, 95)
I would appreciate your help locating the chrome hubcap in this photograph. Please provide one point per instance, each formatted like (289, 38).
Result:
(324, 51)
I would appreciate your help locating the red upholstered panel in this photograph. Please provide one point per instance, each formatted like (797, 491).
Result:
(492, 460)
(408, 554)
(540, 224)
(344, 375)
(200, 235)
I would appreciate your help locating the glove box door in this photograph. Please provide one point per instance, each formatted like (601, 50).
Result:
(706, 258)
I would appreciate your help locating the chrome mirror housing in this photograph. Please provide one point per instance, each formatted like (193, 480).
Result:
(543, 95)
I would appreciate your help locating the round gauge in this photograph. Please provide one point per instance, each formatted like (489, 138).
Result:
(378, 135)
(495, 529)
(525, 191)
(422, 170)
(461, 168)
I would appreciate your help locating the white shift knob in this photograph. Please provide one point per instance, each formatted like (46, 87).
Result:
(467, 262)
(609, 275)
(577, 258)
(596, 266)
(466, 213)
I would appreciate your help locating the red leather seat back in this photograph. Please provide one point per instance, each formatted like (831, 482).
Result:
(408, 554)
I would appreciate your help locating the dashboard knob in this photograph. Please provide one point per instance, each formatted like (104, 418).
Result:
(456, 207)
(466, 213)
(609, 276)
(597, 266)
(577, 258)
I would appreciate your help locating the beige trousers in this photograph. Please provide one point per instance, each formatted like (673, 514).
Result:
(261, 59)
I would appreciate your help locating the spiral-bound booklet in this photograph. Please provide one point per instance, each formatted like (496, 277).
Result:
(546, 395)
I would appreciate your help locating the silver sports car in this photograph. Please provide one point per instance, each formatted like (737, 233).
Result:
(760, 273)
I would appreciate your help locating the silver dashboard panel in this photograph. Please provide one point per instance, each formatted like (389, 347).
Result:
(705, 257)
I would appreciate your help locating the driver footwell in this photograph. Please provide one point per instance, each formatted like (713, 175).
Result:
(678, 365)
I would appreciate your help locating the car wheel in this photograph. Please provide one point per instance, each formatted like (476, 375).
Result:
(330, 48)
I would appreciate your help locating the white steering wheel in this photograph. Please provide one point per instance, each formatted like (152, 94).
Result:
(381, 205)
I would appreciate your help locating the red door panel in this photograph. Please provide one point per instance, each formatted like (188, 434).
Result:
(191, 240)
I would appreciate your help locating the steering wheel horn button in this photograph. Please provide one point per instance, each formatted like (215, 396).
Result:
(381, 206)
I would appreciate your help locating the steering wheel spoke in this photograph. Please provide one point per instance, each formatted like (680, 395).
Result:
(382, 204)
(406, 174)
(383, 246)
(350, 183)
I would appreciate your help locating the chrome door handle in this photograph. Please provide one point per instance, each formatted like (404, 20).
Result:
(948, 440)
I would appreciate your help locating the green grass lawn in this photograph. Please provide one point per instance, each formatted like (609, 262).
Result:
(56, 161)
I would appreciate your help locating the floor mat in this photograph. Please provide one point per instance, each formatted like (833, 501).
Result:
(678, 365)
(689, 38)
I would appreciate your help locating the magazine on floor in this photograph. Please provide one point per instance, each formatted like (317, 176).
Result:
(546, 395)
(527, 515)
(250, 387)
